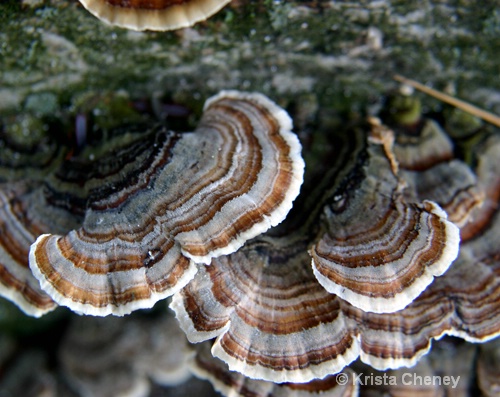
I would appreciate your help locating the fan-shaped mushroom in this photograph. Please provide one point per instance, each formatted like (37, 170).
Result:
(43, 201)
(164, 202)
(380, 251)
(230, 383)
(427, 164)
(24, 214)
(489, 177)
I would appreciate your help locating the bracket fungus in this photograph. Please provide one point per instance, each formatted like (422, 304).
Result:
(230, 383)
(153, 15)
(272, 318)
(380, 251)
(351, 274)
(156, 207)
(274, 321)
(427, 164)
(24, 213)
(489, 180)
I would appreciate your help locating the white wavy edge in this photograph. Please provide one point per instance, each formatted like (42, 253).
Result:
(265, 387)
(18, 299)
(192, 334)
(259, 372)
(15, 296)
(88, 309)
(302, 375)
(401, 300)
(383, 364)
(276, 217)
(298, 166)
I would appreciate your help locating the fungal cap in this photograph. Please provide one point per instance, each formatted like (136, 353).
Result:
(160, 15)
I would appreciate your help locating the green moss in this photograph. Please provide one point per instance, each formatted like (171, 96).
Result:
(9, 8)
(26, 130)
(106, 109)
(252, 45)
(403, 110)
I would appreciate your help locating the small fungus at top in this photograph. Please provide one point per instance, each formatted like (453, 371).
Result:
(157, 15)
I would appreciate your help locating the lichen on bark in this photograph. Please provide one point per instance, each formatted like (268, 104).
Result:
(341, 52)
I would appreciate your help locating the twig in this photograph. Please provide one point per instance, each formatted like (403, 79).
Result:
(466, 107)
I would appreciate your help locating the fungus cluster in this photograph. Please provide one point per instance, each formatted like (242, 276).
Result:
(124, 229)
(437, 374)
(368, 264)
(272, 316)
(274, 323)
